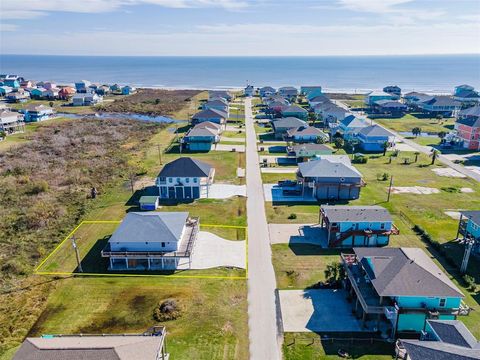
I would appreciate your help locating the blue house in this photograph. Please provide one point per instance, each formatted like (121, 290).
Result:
(13, 83)
(307, 134)
(295, 111)
(439, 105)
(374, 96)
(311, 91)
(399, 289)
(37, 113)
(350, 126)
(352, 226)
(127, 90)
(373, 138)
(266, 91)
(37, 93)
(212, 115)
(82, 86)
(249, 91)
(469, 228)
(202, 136)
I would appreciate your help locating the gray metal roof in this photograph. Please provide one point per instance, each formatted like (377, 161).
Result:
(441, 100)
(405, 272)
(454, 332)
(185, 167)
(436, 350)
(150, 227)
(340, 213)
(90, 348)
(352, 122)
(375, 130)
(471, 111)
(294, 108)
(306, 130)
(210, 114)
(327, 169)
(288, 122)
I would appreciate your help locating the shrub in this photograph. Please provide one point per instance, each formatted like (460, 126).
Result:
(38, 187)
(383, 177)
(470, 283)
(166, 311)
(13, 267)
(292, 216)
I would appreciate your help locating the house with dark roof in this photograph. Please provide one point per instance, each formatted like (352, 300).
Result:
(374, 96)
(282, 125)
(399, 289)
(185, 179)
(466, 94)
(330, 177)
(412, 98)
(266, 91)
(306, 134)
(219, 94)
(82, 86)
(441, 340)
(393, 90)
(295, 111)
(439, 105)
(249, 91)
(467, 127)
(373, 138)
(149, 345)
(212, 115)
(151, 241)
(355, 226)
(304, 152)
(202, 136)
(288, 92)
(390, 108)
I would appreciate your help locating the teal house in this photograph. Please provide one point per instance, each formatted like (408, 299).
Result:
(311, 91)
(295, 111)
(375, 96)
(396, 290)
(469, 228)
(13, 83)
(351, 226)
(36, 93)
(202, 136)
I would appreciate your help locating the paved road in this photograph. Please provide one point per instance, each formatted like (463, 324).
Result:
(420, 148)
(262, 314)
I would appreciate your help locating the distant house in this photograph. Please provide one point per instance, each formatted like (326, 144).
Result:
(115, 88)
(413, 98)
(467, 127)
(276, 107)
(149, 345)
(51, 93)
(202, 136)
(401, 288)
(374, 96)
(4, 90)
(439, 105)
(103, 90)
(249, 91)
(66, 92)
(185, 179)
(127, 90)
(393, 90)
(86, 99)
(17, 97)
(466, 94)
(35, 113)
(352, 226)
(330, 113)
(350, 126)
(373, 138)
(223, 94)
(49, 85)
(295, 111)
(303, 152)
(212, 115)
(266, 91)
(26, 84)
(282, 125)
(319, 99)
(11, 122)
(218, 104)
(306, 134)
(441, 339)
(390, 108)
(330, 178)
(12, 82)
(288, 92)
(82, 86)
(311, 91)
(37, 93)
(275, 98)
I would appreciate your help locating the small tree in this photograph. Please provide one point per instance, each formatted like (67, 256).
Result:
(416, 131)
(51, 103)
(442, 135)
(338, 142)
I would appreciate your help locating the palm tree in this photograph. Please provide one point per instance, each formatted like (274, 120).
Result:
(385, 147)
(434, 155)
(416, 155)
(416, 131)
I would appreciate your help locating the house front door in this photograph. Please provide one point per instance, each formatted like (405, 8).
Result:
(188, 192)
(179, 192)
(196, 192)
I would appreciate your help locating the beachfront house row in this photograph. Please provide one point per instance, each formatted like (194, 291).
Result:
(152, 241)
(185, 179)
(467, 127)
(331, 177)
(212, 115)
(266, 91)
(202, 136)
(355, 226)
(375, 138)
(288, 92)
(35, 113)
(441, 339)
(306, 134)
(396, 290)
(311, 91)
(294, 111)
(374, 96)
(11, 122)
(466, 94)
(149, 345)
(304, 152)
(86, 99)
(82, 86)
(439, 105)
(282, 125)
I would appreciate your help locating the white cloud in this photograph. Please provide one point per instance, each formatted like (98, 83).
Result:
(28, 9)
(374, 6)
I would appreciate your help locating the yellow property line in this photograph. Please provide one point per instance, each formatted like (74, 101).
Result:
(52, 273)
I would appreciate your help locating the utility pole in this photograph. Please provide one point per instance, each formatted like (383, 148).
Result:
(77, 255)
(159, 154)
(390, 188)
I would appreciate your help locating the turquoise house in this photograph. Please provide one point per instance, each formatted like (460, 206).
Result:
(373, 138)
(13, 83)
(295, 111)
(37, 113)
(469, 227)
(375, 96)
(127, 90)
(36, 93)
(311, 91)
(398, 289)
(202, 137)
(351, 226)
(4, 90)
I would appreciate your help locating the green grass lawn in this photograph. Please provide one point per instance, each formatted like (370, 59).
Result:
(212, 325)
(269, 178)
(408, 122)
(234, 134)
(426, 140)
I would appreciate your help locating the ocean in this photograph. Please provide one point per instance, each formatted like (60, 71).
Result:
(432, 73)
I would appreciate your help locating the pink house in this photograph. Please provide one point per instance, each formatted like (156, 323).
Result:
(468, 127)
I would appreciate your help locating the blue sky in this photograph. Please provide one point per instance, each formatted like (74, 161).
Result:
(239, 27)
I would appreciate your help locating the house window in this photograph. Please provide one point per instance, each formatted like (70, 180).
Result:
(162, 179)
(163, 244)
(170, 180)
(187, 180)
(195, 180)
(382, 226)
(178, 180)
(442, 302)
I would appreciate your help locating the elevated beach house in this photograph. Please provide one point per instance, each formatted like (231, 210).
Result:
(469, 228)
(374, 96)
(399, 289)
(128, 90)
(389, 108)
(466, 94)
(152, 241)
(212, 115)
(306, 134)
(294, 111)
(35, 113)
(331, 177)
(441, 339)
(185, 179)
(351, 226)
(350, 126)
(11, 122)
(82, 86)
(149, 345)
(66, 93)
(282, 125)
(202, 136)
(266, 91)
(374, 138)
(467, 127)
(304, 152)
(288, 92)
(249, 91)
(86, 99)
(218, 104)
(393, 90)
(311, 91)
(330, 113)
(439, 105)
(219, 94)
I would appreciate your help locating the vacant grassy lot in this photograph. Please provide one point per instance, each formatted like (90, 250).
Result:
(212, 325)
(269, 178)
(408, 122)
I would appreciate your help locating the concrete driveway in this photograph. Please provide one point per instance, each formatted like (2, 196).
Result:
(231, 139)
(211, 251)
(280, 170)
(225, 191)
(297, 234)
(317, 311)
(226, 147)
